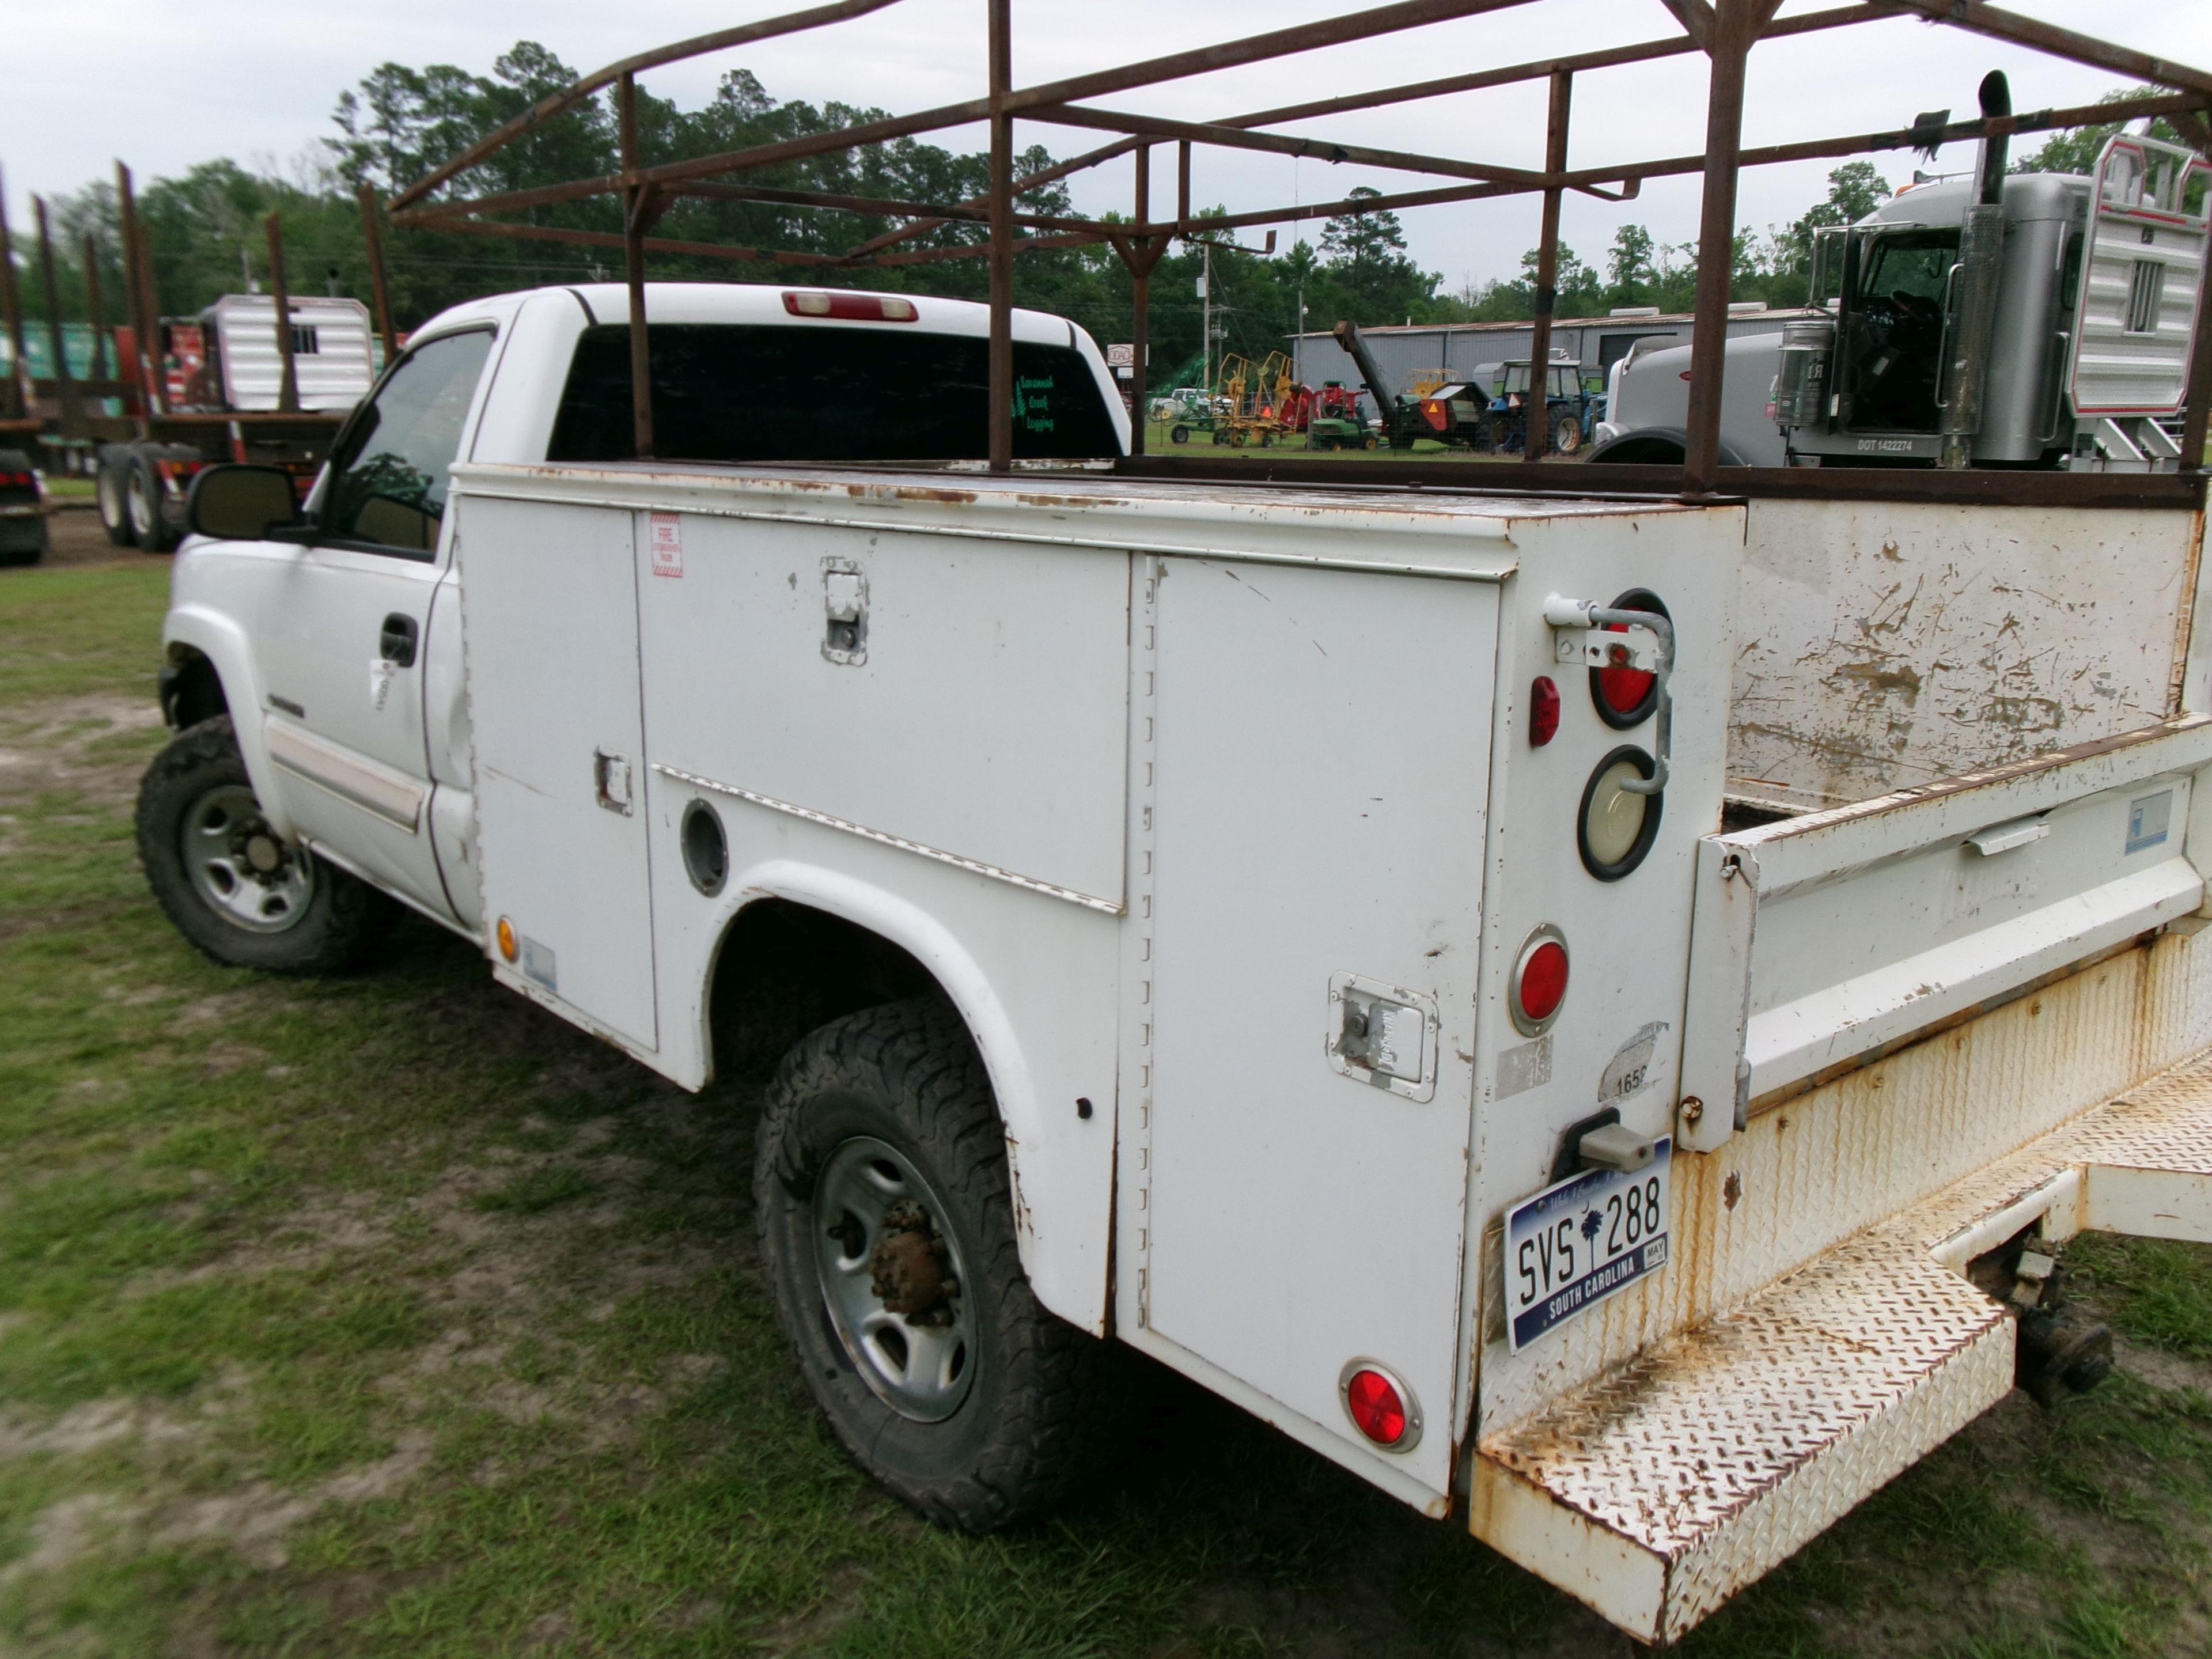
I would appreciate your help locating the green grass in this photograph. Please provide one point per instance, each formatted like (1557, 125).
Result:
(389, 1316)
(76, 488)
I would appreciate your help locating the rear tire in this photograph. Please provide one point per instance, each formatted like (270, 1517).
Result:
(142, 494)
(978, 1408)
(111, 488)
(1566, 435)
(242, 896)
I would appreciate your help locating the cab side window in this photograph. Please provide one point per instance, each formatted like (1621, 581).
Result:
(388, 486)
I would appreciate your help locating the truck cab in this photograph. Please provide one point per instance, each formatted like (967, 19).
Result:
(2036, 320)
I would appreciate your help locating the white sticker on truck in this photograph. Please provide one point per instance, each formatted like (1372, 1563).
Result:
(667, 533)
(2148, 820)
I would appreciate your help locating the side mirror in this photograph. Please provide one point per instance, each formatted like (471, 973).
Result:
(241, 503)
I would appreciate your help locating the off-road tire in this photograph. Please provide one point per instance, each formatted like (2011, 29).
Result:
(110, 484)
(906, 1073)
(341, 917)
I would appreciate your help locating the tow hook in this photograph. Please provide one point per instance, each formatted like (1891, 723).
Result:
(907, 1268)
(2056, 1352)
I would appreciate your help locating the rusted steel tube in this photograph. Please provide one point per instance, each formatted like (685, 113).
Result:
(140, 303)
(288, 392)
(379, 289)
(546, 108)
(641, 349)
(64, 382)
(1001, 422)
(96, 307)
(1983, 19)
(18, 404)
(1140, 307)
(1536, 427)
(1732, 34)
(1228, 138)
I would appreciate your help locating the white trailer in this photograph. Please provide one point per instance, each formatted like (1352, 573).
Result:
(1512, 991)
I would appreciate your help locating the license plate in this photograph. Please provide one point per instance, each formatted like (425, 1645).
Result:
(1574, 1244)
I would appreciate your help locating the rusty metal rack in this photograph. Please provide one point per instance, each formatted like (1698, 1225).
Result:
(1724, 31)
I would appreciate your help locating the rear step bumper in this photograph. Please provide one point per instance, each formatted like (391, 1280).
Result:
(1657, 1491)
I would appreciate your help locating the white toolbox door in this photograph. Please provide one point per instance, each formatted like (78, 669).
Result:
(548, 599)
(1323, 760)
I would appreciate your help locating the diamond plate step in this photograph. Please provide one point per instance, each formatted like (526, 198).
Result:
(1658, 1490)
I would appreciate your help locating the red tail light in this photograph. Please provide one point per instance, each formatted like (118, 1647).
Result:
(1540, 981)
(1543, 711)
(1380, 1406)
(853, 307)
(1625, 690)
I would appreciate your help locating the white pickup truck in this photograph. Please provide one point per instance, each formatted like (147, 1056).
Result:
(1593, 1013)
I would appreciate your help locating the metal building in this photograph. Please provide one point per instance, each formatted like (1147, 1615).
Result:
(1464, 351)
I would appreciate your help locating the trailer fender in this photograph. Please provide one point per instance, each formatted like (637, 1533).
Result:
(1062, 1186)
(219, 638)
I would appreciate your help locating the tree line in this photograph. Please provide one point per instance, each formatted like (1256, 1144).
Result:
(204, 228)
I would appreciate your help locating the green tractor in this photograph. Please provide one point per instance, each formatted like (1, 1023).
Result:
(1334, 422)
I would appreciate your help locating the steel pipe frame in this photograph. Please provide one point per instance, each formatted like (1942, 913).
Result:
(441, 216)
(444, 216)
(1635, 174)
(1726, 30)
(1408, 14)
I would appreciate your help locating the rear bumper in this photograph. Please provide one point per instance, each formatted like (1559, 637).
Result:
(1657, 1491)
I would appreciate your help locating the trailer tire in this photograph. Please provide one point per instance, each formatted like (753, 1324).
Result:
(1179, 434)
(110, 488)
(890, 1107)
(149, 526)
(1566, 435)
(196, 791)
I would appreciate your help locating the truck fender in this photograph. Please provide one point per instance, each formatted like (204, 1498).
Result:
(219, 638)
(1034, 1179)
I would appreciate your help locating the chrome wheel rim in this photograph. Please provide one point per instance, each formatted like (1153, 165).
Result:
(238, 866)
(922, 1370)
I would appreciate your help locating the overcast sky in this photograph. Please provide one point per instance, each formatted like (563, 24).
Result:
(166, 83)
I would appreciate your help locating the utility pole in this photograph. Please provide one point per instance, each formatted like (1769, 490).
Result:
(1206, 321)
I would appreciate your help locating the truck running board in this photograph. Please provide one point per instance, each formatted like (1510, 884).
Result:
(1656, 1492)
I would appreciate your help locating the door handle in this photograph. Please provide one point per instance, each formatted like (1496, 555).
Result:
(396, 644)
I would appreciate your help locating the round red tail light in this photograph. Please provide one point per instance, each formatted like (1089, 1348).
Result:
(1381, 1406)
(1626, 697)
(1543, 711)
(1540, 981)
(1624, 690)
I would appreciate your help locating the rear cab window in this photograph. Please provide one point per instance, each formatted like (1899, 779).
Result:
(753, 392)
